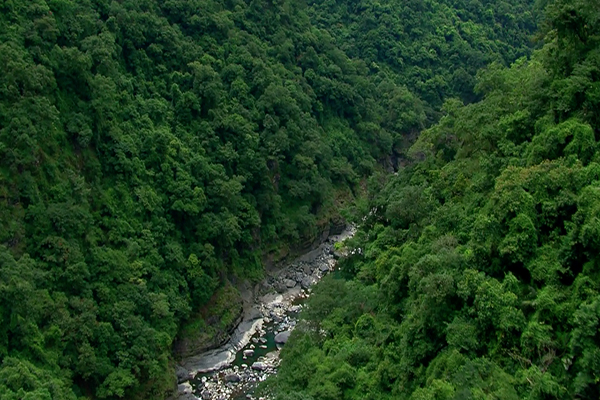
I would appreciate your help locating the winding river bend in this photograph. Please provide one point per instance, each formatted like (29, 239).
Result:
(251, 355)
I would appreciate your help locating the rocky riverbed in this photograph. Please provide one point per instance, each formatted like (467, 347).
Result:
(252, 354)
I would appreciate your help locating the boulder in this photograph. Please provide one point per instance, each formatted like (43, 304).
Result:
(206, 395)
(248, 353)
(324, 267)
(289, 283)
(306, 283)
(234, 378)
(259, 366)
(282, 337)
(280, 287)
(185, 388)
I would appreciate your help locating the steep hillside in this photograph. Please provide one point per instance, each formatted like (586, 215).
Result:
(476, 273)
(151, 149)
(435, 48)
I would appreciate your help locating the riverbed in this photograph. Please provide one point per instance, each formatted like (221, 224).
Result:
(251, 355)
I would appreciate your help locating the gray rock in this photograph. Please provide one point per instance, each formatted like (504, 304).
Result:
(182, 374)
(324, 267)
(289, 283)
(234, 378)
(306, 283)
(307, 269)
(248, 353)
(185, 388)
(280, 287)
(282, 337)
(259, 366)
(253, 314)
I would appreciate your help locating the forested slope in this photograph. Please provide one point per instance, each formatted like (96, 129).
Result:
(435, 48)
(476, 273)
(150, 149)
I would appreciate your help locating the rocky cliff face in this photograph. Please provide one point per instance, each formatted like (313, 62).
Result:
(213, 325)
(217, 321)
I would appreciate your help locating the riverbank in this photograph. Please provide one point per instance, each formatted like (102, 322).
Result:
(252, 353)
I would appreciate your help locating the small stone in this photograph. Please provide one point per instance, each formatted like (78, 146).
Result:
(248, 353)
(206, 395)
(263, 340)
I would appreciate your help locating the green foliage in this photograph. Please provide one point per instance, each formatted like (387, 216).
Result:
(434, 48)
(151, 150)
(482, 253)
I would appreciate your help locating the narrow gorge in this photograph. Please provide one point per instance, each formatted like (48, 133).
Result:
(233, 370)
(158, 156)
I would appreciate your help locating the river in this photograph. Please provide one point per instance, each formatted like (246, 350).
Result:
(251, 355)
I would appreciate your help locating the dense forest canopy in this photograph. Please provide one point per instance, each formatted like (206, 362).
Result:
(435, 48)
(152, 149)
(476, 273)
